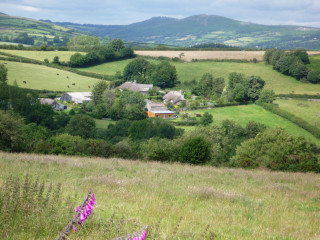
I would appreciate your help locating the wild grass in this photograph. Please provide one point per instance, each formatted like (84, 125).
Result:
(246, 113)
(41, 55)
(177, 201)
(103, 124)
(307, 110)
(42, 77)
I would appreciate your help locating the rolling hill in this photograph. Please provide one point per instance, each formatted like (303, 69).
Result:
(205, 29)
(12, 27)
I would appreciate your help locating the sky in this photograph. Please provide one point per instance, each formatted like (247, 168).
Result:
(121, 12)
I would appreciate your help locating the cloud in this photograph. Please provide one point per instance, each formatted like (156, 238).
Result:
(28, 8)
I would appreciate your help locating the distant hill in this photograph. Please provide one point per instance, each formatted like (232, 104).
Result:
(13, 29)
(200, 29)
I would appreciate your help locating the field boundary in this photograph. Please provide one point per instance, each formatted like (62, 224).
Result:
(292, 118)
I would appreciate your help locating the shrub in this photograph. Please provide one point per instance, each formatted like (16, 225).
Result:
(195, 151)
(277, 150)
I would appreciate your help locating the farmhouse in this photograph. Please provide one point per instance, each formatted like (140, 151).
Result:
(53, 103)
(77, 97)
(174, 97)
(136, 87)
(158, 110)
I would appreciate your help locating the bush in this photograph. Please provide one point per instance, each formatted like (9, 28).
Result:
(313, 76)
(195, 151)
(277, 150)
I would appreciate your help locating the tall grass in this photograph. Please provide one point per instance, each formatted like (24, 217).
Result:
(177, 201)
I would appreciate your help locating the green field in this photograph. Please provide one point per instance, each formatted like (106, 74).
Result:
(41, 55)
(42, 77)
(314, 62)
(182, 200)
(244, 114)
(103, 124)
(187, 71)
(306, 110)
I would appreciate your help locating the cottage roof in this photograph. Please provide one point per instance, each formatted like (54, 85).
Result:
(136, 87)
(174, 97)
(47, 101)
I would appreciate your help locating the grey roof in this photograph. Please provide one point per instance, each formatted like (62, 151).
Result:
(136, 87)
(174, 97)
(47, 101)
(77, 97)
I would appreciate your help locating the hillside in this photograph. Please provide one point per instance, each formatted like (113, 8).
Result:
(12, 28)
(203, 203)
(205, 29)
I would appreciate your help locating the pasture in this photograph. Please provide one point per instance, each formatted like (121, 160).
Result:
(246, 113)
(314, 62)
(42, 77)
(307, 110)
(188, 71)
(177, 201)
(41, 55)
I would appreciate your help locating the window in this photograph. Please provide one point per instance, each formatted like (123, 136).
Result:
(169, 115)
(157, 115)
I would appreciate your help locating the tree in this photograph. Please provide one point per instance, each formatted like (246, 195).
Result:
(253, 86)
(218, 86)
(267, 96)
(130, 97)
(313, 76)
(117, 109)
(3, 74)
(139, 69)
(164, 75)
(267, 57)
(77, 60)
(11, 133)
(81, 125)
(234, 79)
(239, 93)
(56, 60)
(298, 70)
(56, 39)
(98, 90)
(302, 55)
(117, 45)
(206, 85)
(195, 151)
(206, 119)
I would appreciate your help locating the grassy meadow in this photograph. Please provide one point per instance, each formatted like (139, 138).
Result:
(188, 71)
(41, 55)
(42, 77)
(314, 62)
(177, 201)
(306, 110)
(246, 113)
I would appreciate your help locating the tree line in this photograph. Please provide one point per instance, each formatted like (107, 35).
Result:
(292, 63)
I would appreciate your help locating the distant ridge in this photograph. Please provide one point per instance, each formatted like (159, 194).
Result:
(200, 29)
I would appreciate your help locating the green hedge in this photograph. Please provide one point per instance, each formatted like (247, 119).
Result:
(292, 118)
(304, 96)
